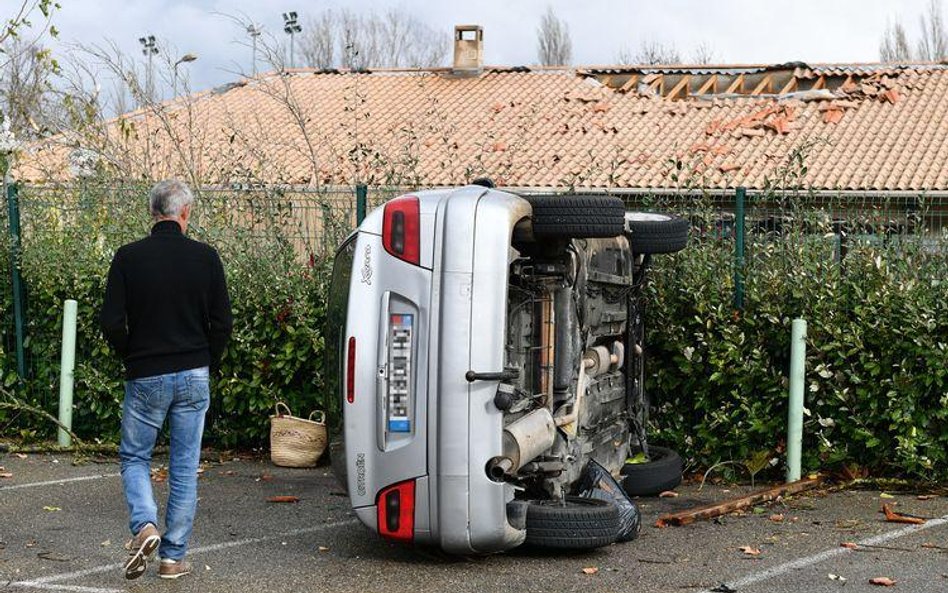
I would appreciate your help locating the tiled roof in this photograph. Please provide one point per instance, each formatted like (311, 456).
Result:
(883, 128)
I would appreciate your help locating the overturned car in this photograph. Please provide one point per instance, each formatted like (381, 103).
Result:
(486, 347)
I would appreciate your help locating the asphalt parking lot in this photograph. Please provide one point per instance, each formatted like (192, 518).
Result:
(62, 528)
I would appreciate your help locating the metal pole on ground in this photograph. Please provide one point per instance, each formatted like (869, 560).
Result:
(67, 371)
(16, 280)
(739, 196)
(797, 382)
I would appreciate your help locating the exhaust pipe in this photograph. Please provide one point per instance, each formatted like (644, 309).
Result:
(524, 440)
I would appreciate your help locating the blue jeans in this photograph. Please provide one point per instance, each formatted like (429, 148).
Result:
(183, 398)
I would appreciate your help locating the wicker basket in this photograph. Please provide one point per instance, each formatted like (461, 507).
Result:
(296, 442)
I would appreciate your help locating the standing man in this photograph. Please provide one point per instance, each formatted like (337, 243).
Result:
(167, 314)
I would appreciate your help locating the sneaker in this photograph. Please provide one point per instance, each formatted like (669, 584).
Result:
(140, 548)
(173, 569)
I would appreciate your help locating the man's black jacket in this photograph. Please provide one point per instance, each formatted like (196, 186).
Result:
(166, 307)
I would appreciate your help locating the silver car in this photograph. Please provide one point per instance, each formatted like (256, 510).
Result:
(485, 347)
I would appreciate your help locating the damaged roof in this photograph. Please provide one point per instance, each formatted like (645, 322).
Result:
(877, 127)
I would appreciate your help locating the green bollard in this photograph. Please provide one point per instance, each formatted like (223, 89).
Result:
(67, 371)
(797, 383)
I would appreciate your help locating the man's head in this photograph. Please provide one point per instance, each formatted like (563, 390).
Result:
(171, 200)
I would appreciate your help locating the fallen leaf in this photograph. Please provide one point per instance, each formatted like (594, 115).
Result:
(759, 510)
(882, 581)
(668, 494)
(590, 570)
(206, 567)
(229, 472)
(893, 517)
(722, 588)
(919, 497)
(750, 551)
(6, 474)
(266, 477)
(836, 577)
(323, 548)
(51, 509)
(849, 545)
(778, 518)
(283, 499)
(30, 544)
(933, 546)
(21, 455)
(886, 495)
(107, 542)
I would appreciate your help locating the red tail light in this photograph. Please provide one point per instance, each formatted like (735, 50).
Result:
(396, 511)
(401, 229)
(351, 371)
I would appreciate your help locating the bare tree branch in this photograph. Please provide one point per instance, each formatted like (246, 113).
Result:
(554, 46)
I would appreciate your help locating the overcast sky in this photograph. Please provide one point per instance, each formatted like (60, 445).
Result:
(738, 31)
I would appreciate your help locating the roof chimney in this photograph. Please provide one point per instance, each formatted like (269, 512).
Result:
(468, 49)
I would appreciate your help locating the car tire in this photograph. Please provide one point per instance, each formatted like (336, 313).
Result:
(660, 473)
(577, 217)
(573, 524)
(653, 232)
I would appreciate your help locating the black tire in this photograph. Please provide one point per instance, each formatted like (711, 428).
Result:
(575, 524)
(577, 216)
(656, 233)
(662, 472)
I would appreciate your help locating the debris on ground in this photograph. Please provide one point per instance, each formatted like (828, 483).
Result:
(776, 518)
(736, 504)
(849, 545)
(590, 570)
(283, 499)
(882, 581)
(836, 577)
(55, 557)
(4, 474)
(893, 517)
(51, 509)
(722, 588)
(750, 550)
(668, 494)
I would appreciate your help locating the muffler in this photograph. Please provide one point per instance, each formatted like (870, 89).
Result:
(524, 440)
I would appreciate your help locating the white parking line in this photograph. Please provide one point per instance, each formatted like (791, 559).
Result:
(55, 482)
(47, 581)
(782, 569)
(53, 587)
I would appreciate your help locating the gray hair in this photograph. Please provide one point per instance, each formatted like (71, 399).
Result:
(168, 198)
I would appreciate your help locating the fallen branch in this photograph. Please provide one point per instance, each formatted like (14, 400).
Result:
(11, 402)
(735, 504)
(893, 517)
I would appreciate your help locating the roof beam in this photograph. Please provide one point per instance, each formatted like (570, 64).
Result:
(631, 84)
(658, 85)
(710, 84)
(790, 86)
(819, 84)
(681, 86)
(737, 86)
(766, 83)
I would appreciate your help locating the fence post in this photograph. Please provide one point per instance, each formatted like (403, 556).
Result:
(739, 196)
(16, 284)
(362, 193)
(67, 369)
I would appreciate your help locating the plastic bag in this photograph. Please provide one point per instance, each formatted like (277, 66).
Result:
(597, 482)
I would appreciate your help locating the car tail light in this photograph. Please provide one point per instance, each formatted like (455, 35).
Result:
(401, 229)
(396, 511)
(351, 370)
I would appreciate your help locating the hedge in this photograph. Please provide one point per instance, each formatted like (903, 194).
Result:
(877, 391)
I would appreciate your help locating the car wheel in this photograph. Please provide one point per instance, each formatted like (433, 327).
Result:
(652, 232)
(572, 524)
(577, 216)
(660, 473)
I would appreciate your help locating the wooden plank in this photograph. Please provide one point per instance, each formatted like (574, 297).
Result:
(819, 84)
(710, 84)
(735, 504)
(658, 85)
(790, 86)
(630, 84)
(766, 83)
(737, 86)
(682, 85)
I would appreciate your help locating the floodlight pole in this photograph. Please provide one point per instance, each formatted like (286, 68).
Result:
(254, 32)
(291, 27)
(149, 49)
